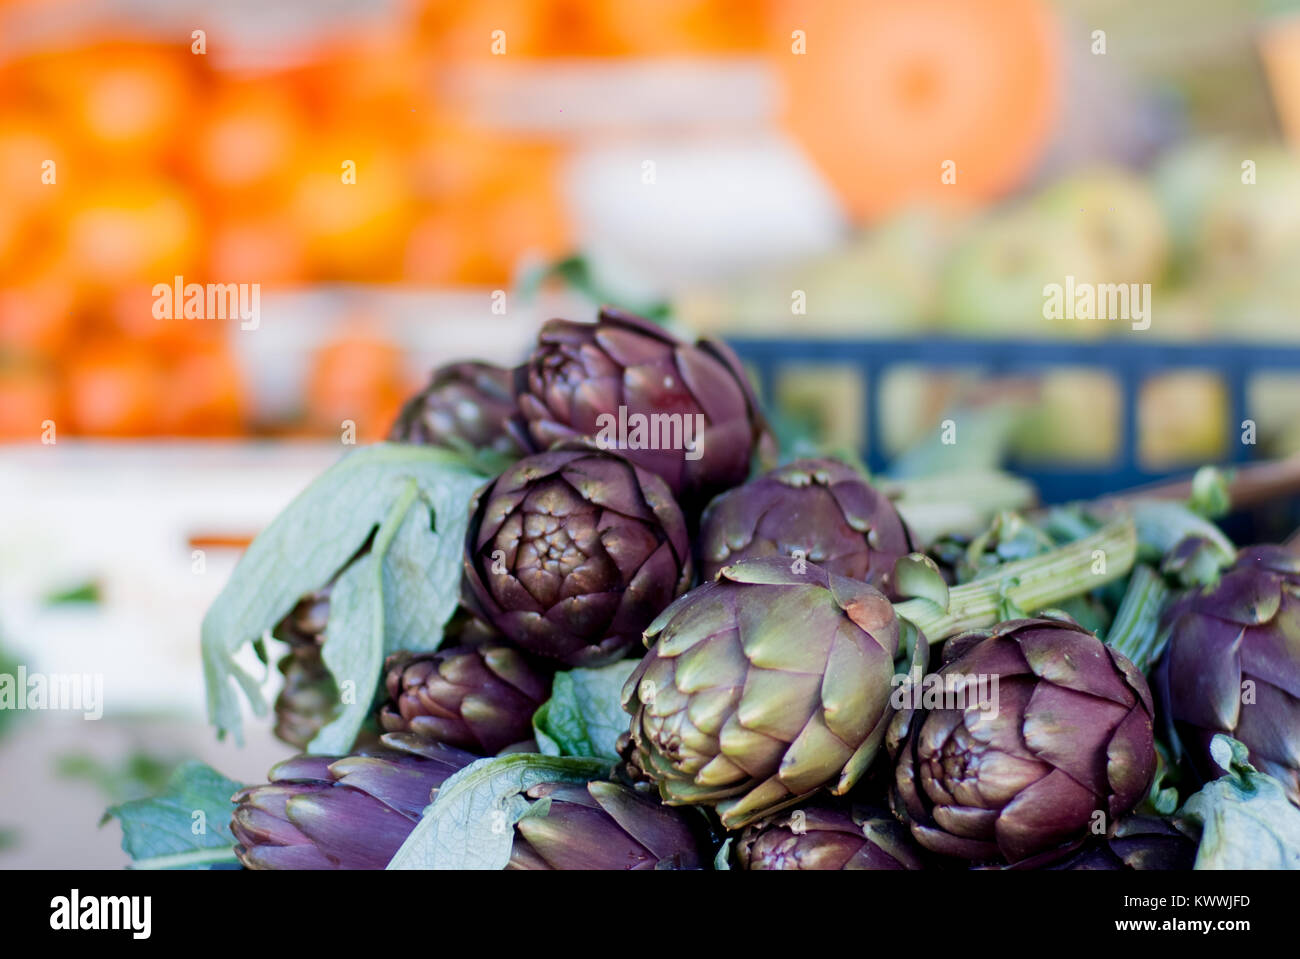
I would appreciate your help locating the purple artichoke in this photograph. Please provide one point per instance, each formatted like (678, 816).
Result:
(309, 697)
(1065, 733)
(466, 406)
(819, 510)
(698, 418)
(319, 812)
(761, 688)
(604, 825)
(571, 554)
(1233, 665)
(828, 837)
(479, 699)
(1138, 843)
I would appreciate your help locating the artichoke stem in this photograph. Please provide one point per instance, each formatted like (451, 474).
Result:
(1029, 584)
(1136, 630)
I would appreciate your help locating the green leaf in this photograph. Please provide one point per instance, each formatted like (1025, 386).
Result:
(308, 543)
(187, 825)
(583, 717)
(470, 824)
(1245, 818)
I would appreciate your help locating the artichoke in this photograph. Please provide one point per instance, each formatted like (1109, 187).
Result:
(320, 812)
(1136, 842)
(816, 510)
(1233, 665)
(571, 553)
(466, 406)
(1066, 732)
(828, 837)
(762, 687)
(604, 825)
(698, 419)
(479, 699)
(308, 699)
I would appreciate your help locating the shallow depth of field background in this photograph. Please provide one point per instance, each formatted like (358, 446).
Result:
(698, 159)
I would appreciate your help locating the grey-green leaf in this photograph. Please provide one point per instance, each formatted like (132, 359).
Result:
(308, 543)
(470, 824)
(584, 717)
(1245, 818)
(188, 824)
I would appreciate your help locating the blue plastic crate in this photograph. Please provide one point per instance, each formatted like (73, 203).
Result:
(1131, 363)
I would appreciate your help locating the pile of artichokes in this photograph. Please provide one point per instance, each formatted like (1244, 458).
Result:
(802, 687)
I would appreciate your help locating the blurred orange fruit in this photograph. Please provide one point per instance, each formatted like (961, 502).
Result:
(256, 247)
(114, 391)
(122, 101)
(36, 318)
(204, 394)
(249, 138)
(28, 397)
(356, 376)
(352, 230)
(132, 230)
(886, 93)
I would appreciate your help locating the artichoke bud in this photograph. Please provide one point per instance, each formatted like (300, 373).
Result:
(818, 511)
(480, 699)
(353, 812)
(604, 825)
(825, 836)
(1062, 748)
(465, 406)
(762, 688)
(1232, 665)
(571, 553)
(685, 412)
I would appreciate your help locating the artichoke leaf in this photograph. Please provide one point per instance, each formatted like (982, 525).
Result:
(471, 822)
(584, 717)
(315, 536)
(1244, 819)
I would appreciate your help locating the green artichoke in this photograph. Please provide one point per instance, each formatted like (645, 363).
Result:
(761, 688)
(604, 825)
(828, 837)
(816, 510)
(1065, 733)
(1233, 665)
(571, 553)
(608, 378)
(479, 699)
(320, 812)
(466, 406)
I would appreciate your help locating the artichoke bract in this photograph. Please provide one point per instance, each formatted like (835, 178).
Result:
(761, 688)
(684, 412)
(479, 699)
(828, 837)
(1062, 728)
(571, 554)
(1233, 665)
(604, 825)
(354, 812)
(467, 406)
(818, 510)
